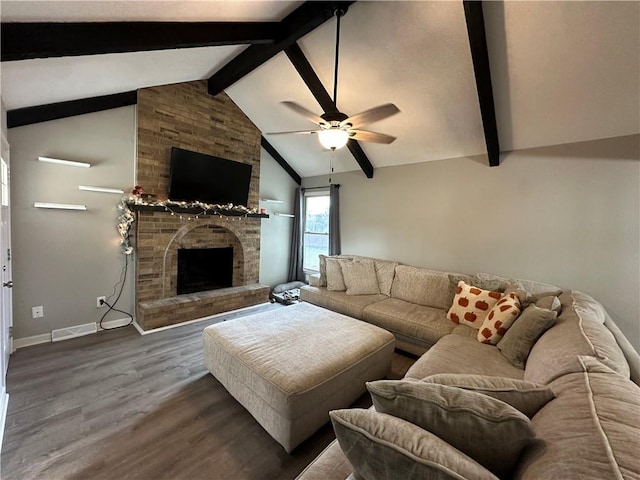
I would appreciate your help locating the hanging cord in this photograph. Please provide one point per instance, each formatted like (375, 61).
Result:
(339, 14)
(121, 282)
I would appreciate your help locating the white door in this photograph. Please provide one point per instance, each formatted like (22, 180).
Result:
(6, 304)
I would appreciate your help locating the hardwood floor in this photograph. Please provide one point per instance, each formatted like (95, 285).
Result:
(117, 405)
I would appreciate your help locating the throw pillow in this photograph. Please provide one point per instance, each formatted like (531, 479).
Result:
(383, 447)
(385, 270)
(489, 431)
(499, 319)
(360, 277)
(524, 333)
(494, 285)
(322, 267)
(550, 302)
(472, 304)
(525, 297)
(335, 280)
(526, 397)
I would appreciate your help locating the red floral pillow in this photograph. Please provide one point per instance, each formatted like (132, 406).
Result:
(471, 305)
(499, 319)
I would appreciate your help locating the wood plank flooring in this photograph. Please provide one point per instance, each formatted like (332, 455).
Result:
(117, 405)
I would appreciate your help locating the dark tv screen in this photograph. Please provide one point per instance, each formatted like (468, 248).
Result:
(198, 177)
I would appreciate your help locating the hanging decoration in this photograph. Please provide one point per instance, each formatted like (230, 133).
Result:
(127, 217)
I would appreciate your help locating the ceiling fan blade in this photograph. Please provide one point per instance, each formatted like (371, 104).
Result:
(374, 114)
(300, 110)
(295, 132)
(374, 137)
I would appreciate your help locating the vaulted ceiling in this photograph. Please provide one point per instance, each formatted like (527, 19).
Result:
(562, 72)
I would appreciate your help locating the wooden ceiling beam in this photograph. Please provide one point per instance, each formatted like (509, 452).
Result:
(53, 111)
(22, 41)
(310, 78)
(294, 26)
(20, 117)
(480, 56)
(281, 161)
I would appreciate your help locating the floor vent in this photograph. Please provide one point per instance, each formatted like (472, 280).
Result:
(71, 332)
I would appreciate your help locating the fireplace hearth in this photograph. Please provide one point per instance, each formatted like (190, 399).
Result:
(202, 269)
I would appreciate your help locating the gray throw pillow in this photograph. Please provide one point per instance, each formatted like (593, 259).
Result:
(526, 397)
(335, 279)
(383, 447)
(550, 302)
(360, 277)
(489, 431)
(322, 268)
(517, 343)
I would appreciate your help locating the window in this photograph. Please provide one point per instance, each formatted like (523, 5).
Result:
(316, 229)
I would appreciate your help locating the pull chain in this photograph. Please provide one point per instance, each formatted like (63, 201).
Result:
(333, 153)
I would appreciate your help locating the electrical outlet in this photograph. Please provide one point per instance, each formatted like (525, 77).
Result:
(37, 312)
(99, 300)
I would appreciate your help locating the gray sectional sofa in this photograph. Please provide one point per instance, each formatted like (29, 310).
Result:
(590, 429)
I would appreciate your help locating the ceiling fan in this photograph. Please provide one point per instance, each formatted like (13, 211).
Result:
(336, 128)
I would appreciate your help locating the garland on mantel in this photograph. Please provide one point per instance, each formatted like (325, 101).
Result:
(126, 217)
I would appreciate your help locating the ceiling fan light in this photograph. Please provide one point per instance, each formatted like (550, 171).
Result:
(333, 138)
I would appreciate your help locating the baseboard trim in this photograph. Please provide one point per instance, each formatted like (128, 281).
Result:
(34, 340)
(47, 337)
(118, 322)
(182, 324)
(4, 405)
(121, 322)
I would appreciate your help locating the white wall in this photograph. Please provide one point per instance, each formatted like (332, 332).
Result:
(566, 215)
(275, 237)
(63, 260)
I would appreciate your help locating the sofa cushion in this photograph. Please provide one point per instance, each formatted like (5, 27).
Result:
(360, 277)
(330, 464)
(523, 334)
(487, 430)
(471, 305)
(590, 430)
(524, 396)
(383, 447)
(424, 325)
(499, 319)
(463, 354)
(421, 286)
(579, 330)
(351, 305)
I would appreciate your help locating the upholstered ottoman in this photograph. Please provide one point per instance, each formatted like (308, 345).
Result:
(290, 366)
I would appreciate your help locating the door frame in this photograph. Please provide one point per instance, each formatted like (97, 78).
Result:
(6, 340)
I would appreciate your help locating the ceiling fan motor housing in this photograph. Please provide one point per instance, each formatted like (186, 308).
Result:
(334, 116)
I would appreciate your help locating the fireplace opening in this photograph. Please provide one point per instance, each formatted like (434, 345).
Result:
(201, 269)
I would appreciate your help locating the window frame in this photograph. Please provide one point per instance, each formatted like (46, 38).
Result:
(320, 192)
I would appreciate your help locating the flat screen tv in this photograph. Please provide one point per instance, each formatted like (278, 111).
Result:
(198, 177)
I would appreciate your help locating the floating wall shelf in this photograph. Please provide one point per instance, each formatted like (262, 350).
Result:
(68, 163)
(60, 206)
(289, 215)
(271, 200)
(87, 188)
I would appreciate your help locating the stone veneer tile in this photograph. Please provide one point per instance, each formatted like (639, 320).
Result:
(186, 116)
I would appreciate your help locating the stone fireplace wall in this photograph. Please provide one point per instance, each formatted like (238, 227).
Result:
(186, 116)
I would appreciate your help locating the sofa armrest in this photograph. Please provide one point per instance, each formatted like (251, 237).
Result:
(314, 280)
